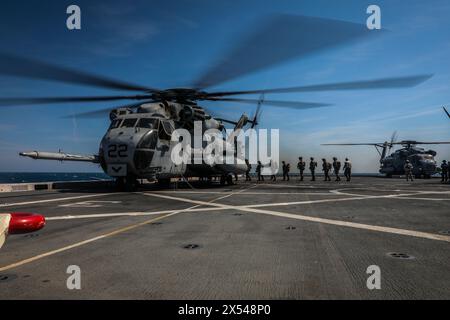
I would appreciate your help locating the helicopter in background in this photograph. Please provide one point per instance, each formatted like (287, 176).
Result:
(137, 142)
(422, 160)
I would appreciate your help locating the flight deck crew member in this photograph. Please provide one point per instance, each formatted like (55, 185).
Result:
(258, 171)
(348, 169)
(273, 170)
(326, 167)
(286, 168)
(312, 168)
(444, 171)
(301, 165)
(337, 168)
(247, 173)
(408, 170)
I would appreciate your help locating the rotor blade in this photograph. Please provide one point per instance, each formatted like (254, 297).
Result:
(17, 66)
(104, 112)
(48, 100)
(421, 142)
(279, 39)
(384, 83)
(276, 103)
(351, 144)
(448, 114)
(393, 138)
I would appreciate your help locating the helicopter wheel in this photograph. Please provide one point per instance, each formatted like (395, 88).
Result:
(164, 183)
(230, 181)
(120, 183)
(223, 179)
(131, 183)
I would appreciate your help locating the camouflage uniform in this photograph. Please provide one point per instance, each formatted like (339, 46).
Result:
(286, 168)
(247, 173)
(258, 171)
(326, 167)
(312, 168)
(337, 168)
(301, 165)
(408, 170)
(444, 171)
(348, 169)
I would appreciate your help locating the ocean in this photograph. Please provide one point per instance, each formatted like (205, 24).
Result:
(23, 177)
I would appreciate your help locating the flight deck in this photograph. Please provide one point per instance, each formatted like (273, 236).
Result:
(283, 240)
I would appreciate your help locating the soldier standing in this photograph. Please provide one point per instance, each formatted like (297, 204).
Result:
(258, 171)
(348, 169)
(444, 171)
(408, 170)
(274, 170)
(288, 168)
(312, 168)
(337, 168)
(326, 169)
(247, 173)
(301, 165)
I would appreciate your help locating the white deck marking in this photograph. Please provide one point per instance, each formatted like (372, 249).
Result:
(89, 204)
(405, 232)
(109, 234)
(2, 205)
(126, 214)
(423, 199)
(252, 193)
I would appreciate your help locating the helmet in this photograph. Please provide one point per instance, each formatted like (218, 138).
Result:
(334, 158)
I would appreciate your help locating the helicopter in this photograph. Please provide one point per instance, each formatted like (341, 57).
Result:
(424, 164)
(137, 143)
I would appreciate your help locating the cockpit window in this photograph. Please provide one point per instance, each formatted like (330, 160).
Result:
(165, 130)
(147, 123)
(168, 127)
(128, 123)
(115, 124)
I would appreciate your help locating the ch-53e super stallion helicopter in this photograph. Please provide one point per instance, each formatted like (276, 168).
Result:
(424, 164)
(136, 145)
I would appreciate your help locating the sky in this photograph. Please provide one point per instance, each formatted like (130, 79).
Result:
(167, 44)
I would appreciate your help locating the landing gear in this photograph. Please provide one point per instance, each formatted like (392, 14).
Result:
(164, 183)
(226, 178)
(128, 183)
(230, 180)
